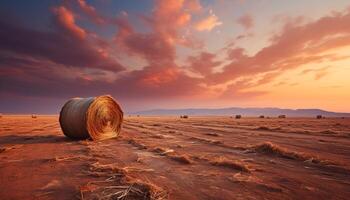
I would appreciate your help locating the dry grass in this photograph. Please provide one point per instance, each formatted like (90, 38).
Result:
(162, 151)
(137, 144)
(170, 153)
(120, 186)
(65, 158)
(328, 132)
(263, 128)
(213, 134)
(253, 180)
(224, 162)
(208, 141)
(180, 158)
(273, 149)
(136, 169)
(158, 136)
(3, 149)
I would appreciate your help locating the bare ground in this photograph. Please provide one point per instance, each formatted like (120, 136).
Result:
(173, 158)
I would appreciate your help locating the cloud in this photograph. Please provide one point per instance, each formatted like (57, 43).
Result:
(91, 12)
(203, 63)
(66, 60)
(79, 66)
(65, 44)
(62, 45)
(318, 73)
(208, 23)
(158, 46)
(193, 5)
(238, 90)
(66, 22)
(19, 76)
(246, 21)
(296, 45)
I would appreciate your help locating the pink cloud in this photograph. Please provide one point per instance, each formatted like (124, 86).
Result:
(91, 12)
(39, 62)
(158, 46)
(203, 63)
(66, 21)
(61, 45)
(246, 21)
(296, 45)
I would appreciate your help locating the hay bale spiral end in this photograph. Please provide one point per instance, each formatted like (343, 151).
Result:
(97, 118)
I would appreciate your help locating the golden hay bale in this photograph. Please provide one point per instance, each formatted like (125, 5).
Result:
(238, 116)
(282, 116)
(34, 116)
(98, 118)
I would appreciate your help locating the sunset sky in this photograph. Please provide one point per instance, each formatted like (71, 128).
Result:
(175, 53)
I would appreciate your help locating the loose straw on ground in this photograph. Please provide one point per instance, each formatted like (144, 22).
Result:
(98, 118)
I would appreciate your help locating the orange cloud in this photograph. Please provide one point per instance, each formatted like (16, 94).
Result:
(193, 5)
(208, 23)
(65, 20)
(160, 77)
(318, 73)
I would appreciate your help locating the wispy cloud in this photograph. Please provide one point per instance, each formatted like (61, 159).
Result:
(208, 23)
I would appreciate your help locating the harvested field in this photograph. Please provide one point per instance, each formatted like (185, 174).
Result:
(172, 158)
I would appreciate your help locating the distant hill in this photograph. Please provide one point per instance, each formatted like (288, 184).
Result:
(244, 111)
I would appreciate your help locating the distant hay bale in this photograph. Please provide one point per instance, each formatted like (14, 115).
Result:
(238, 116)
(184, 116)
(319, 117)
(261, 116)
(281, 116)
(34, 116)
(98, 118)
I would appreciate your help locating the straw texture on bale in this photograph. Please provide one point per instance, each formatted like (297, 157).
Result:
(98, 118)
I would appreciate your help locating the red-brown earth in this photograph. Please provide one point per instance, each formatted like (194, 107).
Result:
(173, 158)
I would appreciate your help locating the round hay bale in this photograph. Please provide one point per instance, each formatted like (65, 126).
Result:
(281, 116)
(98, 118)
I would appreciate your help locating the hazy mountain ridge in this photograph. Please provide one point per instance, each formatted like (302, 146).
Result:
(243, 111)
